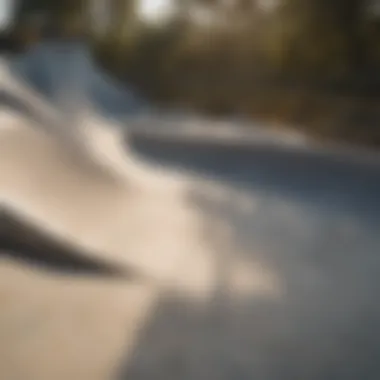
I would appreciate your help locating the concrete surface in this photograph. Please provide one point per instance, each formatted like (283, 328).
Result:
(259, 262)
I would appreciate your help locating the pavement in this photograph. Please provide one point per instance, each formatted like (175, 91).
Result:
(245, 261)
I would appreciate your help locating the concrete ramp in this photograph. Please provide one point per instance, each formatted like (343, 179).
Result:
(54, 69)
(262, 264)
(75, 203)
(81, 185)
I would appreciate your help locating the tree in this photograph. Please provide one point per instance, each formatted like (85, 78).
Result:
(324, 37)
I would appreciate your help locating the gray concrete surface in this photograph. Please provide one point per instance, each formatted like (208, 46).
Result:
(269, 263)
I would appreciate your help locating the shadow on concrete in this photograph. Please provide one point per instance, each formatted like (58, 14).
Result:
(304, 226)
(312, 311)
(22, 241)
(345, 183)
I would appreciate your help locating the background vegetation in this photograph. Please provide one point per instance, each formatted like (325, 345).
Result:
(307, 64)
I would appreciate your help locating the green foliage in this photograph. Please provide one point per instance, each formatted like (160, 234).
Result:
(291, 64)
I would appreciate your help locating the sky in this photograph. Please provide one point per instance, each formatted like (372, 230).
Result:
(155, 10)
